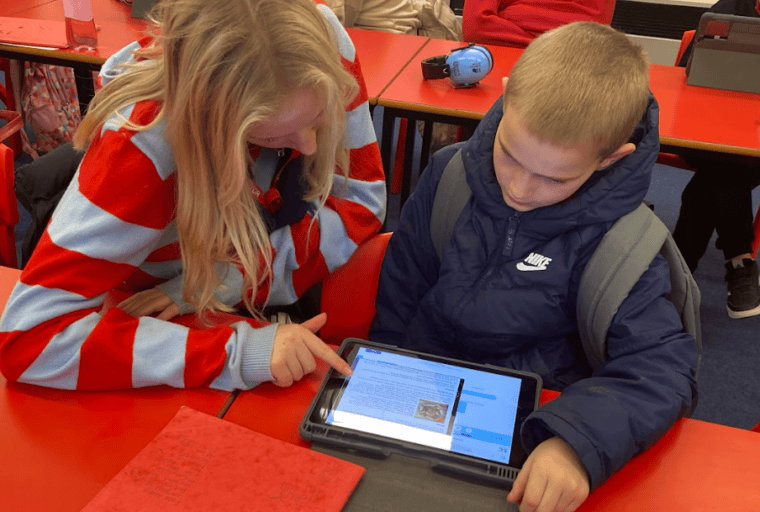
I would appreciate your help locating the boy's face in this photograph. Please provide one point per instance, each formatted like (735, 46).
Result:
(534, 173)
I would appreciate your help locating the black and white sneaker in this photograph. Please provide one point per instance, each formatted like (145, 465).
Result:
(743, 289)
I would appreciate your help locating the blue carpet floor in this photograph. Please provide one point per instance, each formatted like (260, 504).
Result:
(729, 380)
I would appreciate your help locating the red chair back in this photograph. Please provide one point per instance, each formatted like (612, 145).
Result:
(8, 210)
(8, 205)
(685, 40)
(348, 294)
(9, 100)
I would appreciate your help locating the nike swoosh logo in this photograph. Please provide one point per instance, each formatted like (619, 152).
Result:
(526, 268)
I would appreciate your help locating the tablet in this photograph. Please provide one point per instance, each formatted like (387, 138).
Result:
(462, 417)
(726, 53)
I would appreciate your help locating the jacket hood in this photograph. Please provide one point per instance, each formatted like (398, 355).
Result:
(607, 194)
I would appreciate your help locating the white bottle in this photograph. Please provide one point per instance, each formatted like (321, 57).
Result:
(80, 25)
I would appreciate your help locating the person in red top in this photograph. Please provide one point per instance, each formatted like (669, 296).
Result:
(230, 164)
(517, 22)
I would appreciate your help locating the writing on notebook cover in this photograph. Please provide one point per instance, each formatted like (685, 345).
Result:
(200, 463)
(173, 472)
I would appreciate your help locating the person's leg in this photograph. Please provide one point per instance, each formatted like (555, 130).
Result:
(734, 215)
(696, 221)
(734, 225)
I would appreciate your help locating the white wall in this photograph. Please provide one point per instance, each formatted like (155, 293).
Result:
(661, 51)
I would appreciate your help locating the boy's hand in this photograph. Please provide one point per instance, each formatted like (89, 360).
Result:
(147, 302)
(553, 479)
(295, 346)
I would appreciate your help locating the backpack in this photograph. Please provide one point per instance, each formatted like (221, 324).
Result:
(621, 258)
(50, 105)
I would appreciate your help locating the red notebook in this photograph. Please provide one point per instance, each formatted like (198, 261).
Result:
(201, 463)
(31, 32)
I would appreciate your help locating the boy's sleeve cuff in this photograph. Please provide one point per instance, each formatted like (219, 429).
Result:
(542, 425)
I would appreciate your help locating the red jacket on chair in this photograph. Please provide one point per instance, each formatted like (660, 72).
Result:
(517, 22)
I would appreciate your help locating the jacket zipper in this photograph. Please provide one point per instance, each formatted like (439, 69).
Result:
(508, 245)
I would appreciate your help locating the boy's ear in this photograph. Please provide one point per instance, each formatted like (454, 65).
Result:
(623, 151)
(504, 81)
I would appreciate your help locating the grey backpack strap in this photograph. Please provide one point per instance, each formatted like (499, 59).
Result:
(684, 294)
(451, 196)
(621, 258)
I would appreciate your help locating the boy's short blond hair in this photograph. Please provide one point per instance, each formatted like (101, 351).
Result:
(581, 83)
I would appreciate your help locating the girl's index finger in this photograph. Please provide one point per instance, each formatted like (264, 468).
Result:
(320, 349)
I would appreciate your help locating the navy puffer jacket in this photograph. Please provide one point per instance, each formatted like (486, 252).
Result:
(477, 304)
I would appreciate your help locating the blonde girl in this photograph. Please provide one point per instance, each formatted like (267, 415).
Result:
(230, 161)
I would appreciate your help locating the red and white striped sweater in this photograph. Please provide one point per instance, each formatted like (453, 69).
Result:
(114, 229)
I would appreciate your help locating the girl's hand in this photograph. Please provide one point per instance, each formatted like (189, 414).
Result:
(553, 479)
(149, 302)
(295, 346)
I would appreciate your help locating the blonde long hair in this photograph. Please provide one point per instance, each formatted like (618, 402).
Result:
(219, 68)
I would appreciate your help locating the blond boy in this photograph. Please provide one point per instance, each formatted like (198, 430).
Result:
(552, 167)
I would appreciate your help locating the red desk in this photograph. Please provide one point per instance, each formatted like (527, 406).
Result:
(695, 467)
(59, 448)
(409, 91)
(695, 117)
(692, 119)
(411, 97)
(117, 28)
(705, 119)
(18, 7)
(383, 55)
(277, 412)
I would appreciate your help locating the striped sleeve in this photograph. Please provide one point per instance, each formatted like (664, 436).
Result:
(109, 227)
(310, 249)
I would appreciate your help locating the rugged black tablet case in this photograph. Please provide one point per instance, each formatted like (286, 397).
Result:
(395, 480)
(401, 484)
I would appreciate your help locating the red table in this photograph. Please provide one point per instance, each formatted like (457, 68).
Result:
(692, 119)
(695, 467)
(117, 29)
(382, 56)
(59, 448)
(703, 118)
(690, 116)
(415, 99)
(409, 91)
(277, 412)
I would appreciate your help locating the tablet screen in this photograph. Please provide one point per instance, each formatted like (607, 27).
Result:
(433, 402)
